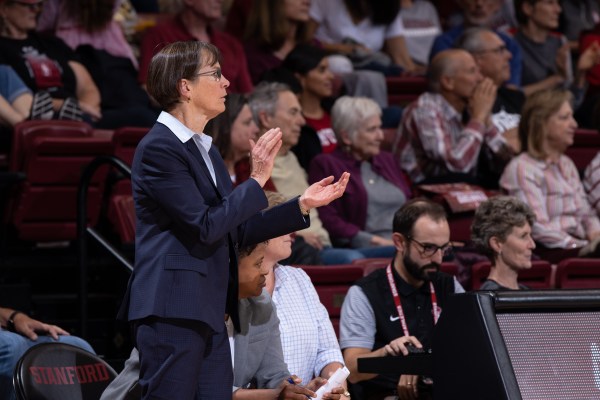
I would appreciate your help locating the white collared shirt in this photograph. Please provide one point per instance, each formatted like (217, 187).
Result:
(183, 133)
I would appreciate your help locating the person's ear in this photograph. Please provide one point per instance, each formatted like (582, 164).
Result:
(447, 83)
(184, 88)
(400, 242)
(264, 120)
(527, 9)
(345, 138)
(495, 244)
(301, 79)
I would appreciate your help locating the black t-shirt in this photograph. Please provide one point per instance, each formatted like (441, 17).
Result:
(42, 62)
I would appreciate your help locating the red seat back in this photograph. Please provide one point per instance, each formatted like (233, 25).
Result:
(586, 144)
(578, 273)
(53, 155)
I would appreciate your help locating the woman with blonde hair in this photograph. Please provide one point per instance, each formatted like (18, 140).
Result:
(547, 180)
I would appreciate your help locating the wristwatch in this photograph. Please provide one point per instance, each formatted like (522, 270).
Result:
(347, 393)
(10, 322)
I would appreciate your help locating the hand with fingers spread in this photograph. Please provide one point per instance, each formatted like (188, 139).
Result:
(263, 155)
(324, 192)
(408, 387)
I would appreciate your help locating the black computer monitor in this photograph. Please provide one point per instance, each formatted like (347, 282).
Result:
(526, 345)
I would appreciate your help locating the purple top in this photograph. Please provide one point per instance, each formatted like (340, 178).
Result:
(346, 216)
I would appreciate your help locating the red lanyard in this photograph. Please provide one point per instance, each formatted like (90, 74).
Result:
(436, 311)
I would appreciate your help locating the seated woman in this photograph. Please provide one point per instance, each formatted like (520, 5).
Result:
(310, 347)
(547, 180)
(361, 218)
(501, 230)
(310, 66)
(47, 63)
(369, 32)
(232, 131)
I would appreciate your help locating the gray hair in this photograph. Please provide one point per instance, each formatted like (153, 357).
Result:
(264, 97)
(471, 40)
(497, 216)
(349, 112)
(443, 63)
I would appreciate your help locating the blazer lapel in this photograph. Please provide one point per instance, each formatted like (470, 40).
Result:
(191, 146)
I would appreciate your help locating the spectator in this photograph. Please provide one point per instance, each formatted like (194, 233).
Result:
(443, 131)
(591, 183)
(310, 347)
(19, 333)
(231, 132)
(479, 13)
(81, 22)
(547, 180)
(256, 347)
(360, 220)
(17, 102)
(493, 60)
(311, 66)
(421, 27)
(546, 56)
(501, 230)
(46, 63)
(370, 33)
(194, 22)
(373, 326)
(577, 17)
(275, 105)
(88, 28)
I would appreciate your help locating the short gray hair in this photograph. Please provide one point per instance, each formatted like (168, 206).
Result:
(349, 112)
(471, 40)
(443, 63)
(497, 216)
(264, 97)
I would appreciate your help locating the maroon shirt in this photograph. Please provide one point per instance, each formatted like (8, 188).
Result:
(233, 58)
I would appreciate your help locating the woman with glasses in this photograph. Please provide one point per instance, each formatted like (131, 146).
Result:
(501, 230)
(361, 219)
(190, 223)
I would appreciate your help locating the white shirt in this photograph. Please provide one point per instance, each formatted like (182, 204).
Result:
(335, 24)
(183, 133)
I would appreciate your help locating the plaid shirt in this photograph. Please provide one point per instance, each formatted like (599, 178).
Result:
(433, 141)
(554, 192)
(591, 182)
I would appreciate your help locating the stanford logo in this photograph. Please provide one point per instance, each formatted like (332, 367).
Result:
(71, 375)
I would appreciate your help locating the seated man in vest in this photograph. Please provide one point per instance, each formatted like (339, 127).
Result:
(259, 370)
(393, 310)
(17, 335)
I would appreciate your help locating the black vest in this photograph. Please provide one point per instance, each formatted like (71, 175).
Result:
(416, 305)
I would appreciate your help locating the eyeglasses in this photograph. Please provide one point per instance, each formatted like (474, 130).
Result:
(32, 7)
(429, 249)
(216, 74)
(497, 51)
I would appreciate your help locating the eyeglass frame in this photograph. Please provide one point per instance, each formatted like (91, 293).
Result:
(217, 74)
(497, 51)
(445, 248)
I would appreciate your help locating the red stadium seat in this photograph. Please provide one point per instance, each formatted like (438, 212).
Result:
(404, 89)
(539, 276)
(578, 273)
(332, 283)
(53, 155)
(586, 144)
(125, 141)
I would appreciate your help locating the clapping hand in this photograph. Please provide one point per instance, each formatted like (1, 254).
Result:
(324, 192)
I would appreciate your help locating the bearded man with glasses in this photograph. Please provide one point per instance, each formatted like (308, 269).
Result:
(394, 309)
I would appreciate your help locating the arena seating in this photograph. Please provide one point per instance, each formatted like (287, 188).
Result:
(539, 276)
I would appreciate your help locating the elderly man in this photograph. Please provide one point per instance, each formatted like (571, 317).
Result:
(275, 105)
(443, 131)
(395, 308)
(195, 22)
(480, 13)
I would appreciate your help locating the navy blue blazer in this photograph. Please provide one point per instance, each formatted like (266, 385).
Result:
(185, 266)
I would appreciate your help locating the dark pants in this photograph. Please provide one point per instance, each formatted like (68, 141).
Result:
(183, 360)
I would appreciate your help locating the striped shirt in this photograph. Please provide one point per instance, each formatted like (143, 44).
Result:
(555, 193)
(434, 142)
(307, 336)
(591, 182)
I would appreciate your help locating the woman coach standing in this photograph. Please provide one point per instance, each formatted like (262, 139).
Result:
(189, 222)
